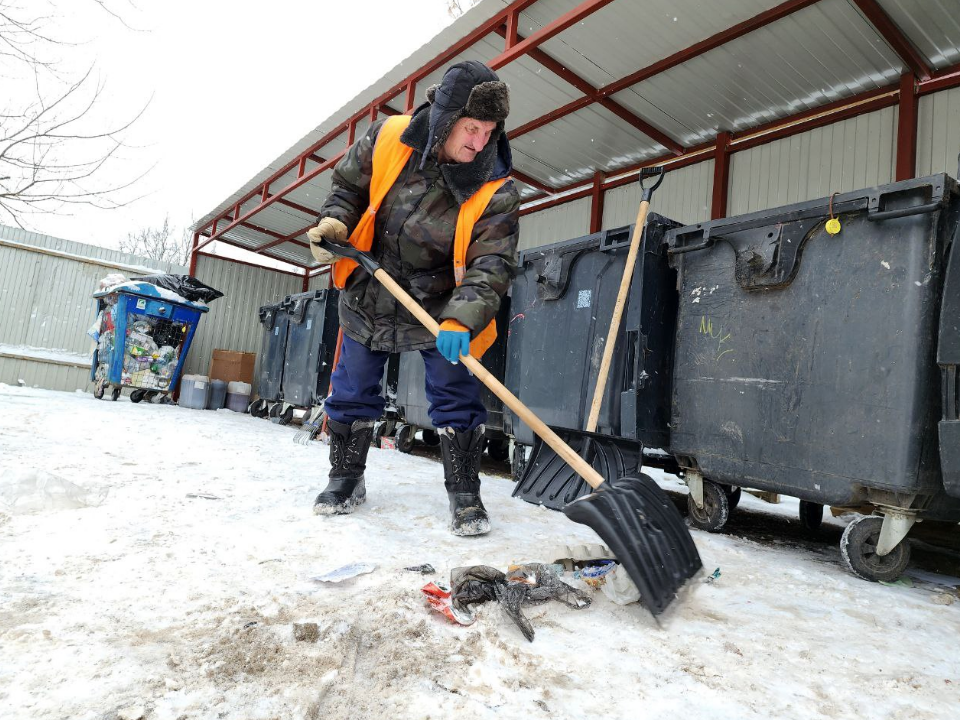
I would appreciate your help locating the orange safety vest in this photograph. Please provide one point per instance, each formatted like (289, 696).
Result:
(390, 156)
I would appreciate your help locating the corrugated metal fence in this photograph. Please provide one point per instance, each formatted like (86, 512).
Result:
(847, 155)
(233, 322)
(46, 308)
(842, 157)
(46, 285)
(938, 133)
(563, 222)
(684, 197)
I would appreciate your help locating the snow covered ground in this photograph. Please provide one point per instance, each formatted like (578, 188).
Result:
(122, 586)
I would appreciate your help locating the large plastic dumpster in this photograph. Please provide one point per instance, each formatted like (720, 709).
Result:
(412, 404)
(145, 333)
(312, 324)
(562, 303)
(806, 363)
(273, 345)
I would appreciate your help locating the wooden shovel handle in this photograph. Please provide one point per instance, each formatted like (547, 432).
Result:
(611, 342)
(583, 468)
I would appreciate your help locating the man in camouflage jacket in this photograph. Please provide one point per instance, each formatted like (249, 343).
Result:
(459, 144)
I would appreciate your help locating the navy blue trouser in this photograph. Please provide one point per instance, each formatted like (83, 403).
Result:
(454, 393)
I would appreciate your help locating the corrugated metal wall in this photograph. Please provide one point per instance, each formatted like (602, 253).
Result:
(563, 222)
(233, 322)
(90, 252)
(938, 133)
(52, 376)
(321, 282)
(845, 156)
(45, 289)
(848, 155)
(684, 196)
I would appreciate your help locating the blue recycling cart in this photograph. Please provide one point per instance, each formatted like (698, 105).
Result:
(143, 336)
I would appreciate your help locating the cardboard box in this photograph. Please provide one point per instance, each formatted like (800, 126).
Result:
(232, 366)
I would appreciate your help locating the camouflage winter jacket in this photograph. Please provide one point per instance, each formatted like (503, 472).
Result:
(413, 240)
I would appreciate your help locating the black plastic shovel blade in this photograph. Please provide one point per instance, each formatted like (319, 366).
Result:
(549, 481)
(646, 533)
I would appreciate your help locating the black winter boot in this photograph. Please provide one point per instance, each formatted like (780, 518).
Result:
(349, 445)
(461, 470)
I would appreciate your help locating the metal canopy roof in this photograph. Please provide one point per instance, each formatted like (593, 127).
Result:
(600, 88)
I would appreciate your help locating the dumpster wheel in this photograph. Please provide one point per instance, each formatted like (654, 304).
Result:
(858, 547)
(137, 395)
(406, 437)
(115, 394)
(499, 450)
(431, 438)
(715, 511)
(99, 389)
(382, 428)
(811, 515)
(518, 463)
(733, 495)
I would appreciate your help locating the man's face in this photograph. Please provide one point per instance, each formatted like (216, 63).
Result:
(467, 138)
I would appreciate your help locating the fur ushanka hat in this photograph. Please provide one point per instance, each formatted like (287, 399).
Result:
(468, 89)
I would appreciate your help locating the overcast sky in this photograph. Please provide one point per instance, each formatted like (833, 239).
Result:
(233, 85)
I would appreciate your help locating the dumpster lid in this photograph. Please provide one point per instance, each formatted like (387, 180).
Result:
(296, 307)
(553, 263)
(268, 315)
(924, 194)
(145, 289)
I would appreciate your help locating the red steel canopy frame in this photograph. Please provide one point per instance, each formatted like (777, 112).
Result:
(919, 80)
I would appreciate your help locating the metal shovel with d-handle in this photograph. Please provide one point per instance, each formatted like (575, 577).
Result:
(632, 515)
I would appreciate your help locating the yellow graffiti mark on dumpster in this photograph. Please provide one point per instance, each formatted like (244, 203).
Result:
(722, 338)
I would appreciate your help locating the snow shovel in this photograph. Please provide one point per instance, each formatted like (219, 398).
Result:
(632, 515)
(547, 479)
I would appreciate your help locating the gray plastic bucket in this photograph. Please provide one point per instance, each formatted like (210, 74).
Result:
(195, 392)
(218, 395)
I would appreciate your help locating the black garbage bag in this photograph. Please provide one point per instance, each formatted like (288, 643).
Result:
(529, 584)
(186, 286)
(474, 585)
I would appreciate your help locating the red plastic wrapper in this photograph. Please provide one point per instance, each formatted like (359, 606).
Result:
(440, 599)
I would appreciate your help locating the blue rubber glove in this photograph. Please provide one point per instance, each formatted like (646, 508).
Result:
(453, 340)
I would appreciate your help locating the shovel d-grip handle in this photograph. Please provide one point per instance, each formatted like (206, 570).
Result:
(583, 468)
(646, 193)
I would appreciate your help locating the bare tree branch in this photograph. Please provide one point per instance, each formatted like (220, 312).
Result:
(163, 244)
(106, 8)
(456, 8)
(20, 36)
(53, 149)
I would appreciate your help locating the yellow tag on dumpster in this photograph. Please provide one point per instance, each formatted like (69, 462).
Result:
(833, 226)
